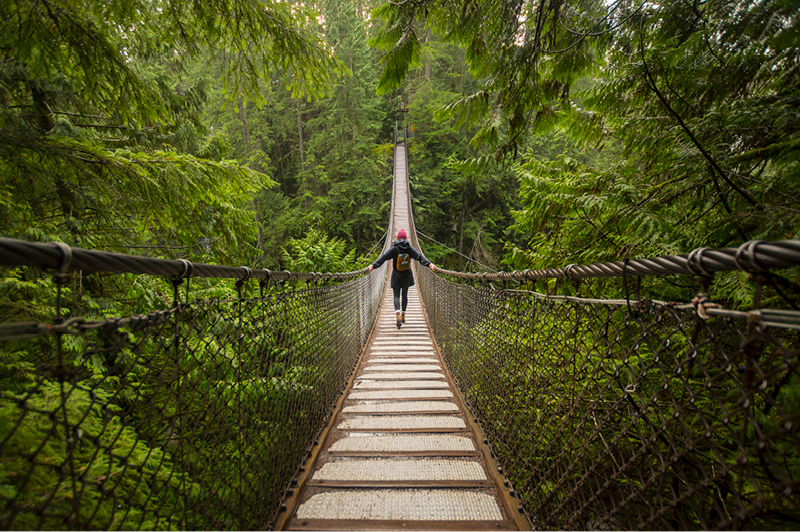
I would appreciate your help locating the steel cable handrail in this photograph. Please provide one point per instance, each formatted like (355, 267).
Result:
(753, 255)
(53, 256)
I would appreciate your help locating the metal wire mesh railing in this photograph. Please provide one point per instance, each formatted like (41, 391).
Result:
(192, 416)
(617, 414)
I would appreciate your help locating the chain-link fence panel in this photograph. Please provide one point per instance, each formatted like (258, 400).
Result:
(193, 417)
(607, 417)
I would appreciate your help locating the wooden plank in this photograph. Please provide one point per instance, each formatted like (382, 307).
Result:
(422, 484)
(341, 524)
(404, 453)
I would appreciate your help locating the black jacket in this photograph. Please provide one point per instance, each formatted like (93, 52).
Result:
(405, 278)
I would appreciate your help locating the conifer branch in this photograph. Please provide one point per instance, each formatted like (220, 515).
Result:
(654, 87)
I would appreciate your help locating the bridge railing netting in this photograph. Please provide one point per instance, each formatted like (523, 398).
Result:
(195, 416)
(629, 414)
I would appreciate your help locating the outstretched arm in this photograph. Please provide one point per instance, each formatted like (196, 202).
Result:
(380, 260)
(416, 255)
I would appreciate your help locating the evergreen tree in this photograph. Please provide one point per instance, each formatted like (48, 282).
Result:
(638, 129)
(328, 156)
(346, 186)
(694, 132)
(102, 145)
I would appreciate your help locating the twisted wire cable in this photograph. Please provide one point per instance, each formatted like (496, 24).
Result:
(753, 255)
(51, 256)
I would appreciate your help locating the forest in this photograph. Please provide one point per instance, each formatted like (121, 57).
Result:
(259, 133)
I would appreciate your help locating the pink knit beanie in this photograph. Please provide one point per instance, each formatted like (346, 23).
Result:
(402, 234)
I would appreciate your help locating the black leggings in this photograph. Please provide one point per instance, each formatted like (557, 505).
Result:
(397, 293)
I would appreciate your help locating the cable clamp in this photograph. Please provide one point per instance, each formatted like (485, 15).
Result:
(60, 276)
(248, 273)
(695, 262)
(188, 268)
(66, 257)
(702, 303)
(568, 270)
(749, 249)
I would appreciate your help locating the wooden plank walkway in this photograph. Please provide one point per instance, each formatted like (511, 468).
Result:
(401, 452)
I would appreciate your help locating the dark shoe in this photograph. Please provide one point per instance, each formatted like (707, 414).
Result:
(403, 318)
(399, 323)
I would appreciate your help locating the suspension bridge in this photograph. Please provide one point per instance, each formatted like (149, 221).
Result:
(507, 401)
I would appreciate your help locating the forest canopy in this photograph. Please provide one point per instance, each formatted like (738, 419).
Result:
(634, 128)
(544, 133)
(103, 141)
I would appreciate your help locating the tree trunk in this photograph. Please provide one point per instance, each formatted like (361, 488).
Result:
(260, 242)
(353, 120)
(427, 63)
(44, 114)
(302, 154)
(300, 136)
(245, 133)
(461, 227)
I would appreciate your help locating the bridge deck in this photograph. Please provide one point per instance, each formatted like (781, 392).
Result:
(401, 452)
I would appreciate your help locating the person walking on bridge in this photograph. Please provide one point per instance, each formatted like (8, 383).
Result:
(401, 254)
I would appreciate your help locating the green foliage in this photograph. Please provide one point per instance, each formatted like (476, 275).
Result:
(686, 140)
(524, 56)
(464, 209)
(327, 156)
(467, 209)
(634, 129)
(89, 45)
(103, 454)
(102, 143)
(319, 253)
(168, 195)
(400, 40)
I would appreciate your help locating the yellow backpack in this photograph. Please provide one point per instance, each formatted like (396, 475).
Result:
(403, 262)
